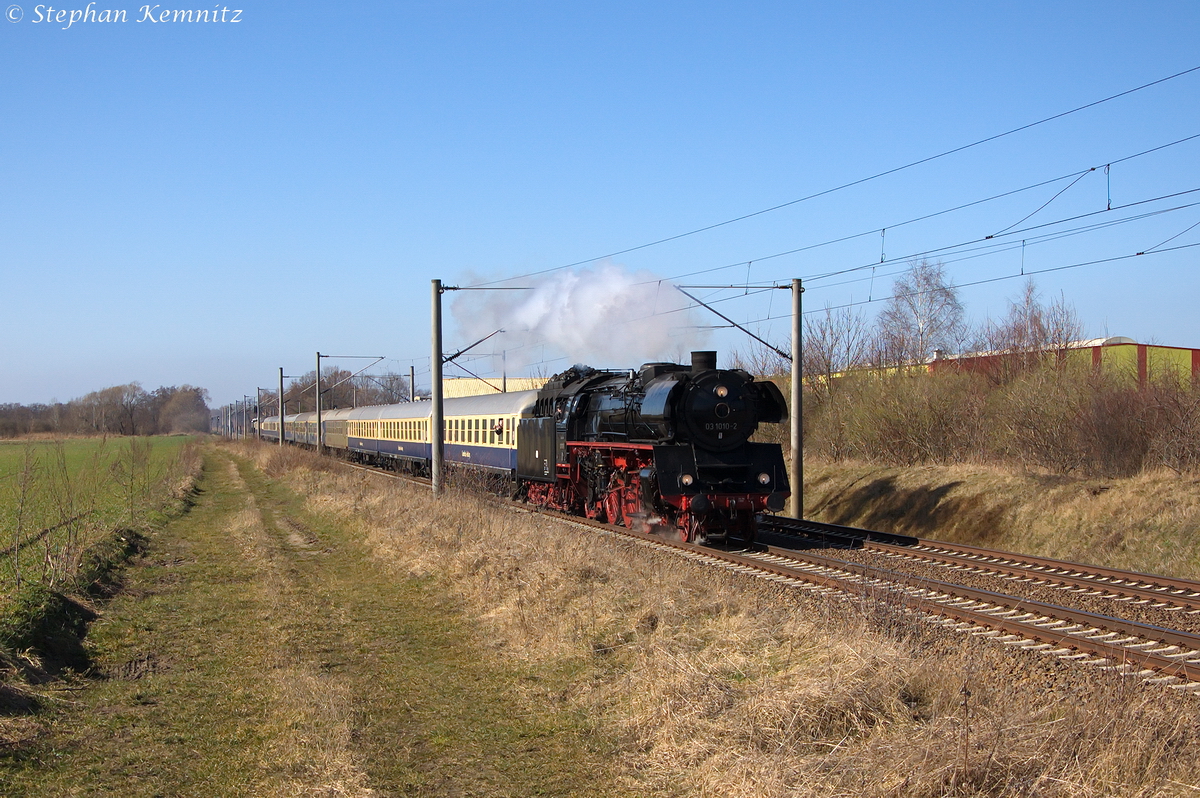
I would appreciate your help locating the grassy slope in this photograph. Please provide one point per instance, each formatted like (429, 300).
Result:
(1147, 523)
(261, 651)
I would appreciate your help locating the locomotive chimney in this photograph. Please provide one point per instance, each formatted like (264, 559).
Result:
(703, 361)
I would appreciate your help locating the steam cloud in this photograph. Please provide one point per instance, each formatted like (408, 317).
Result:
(602, 316)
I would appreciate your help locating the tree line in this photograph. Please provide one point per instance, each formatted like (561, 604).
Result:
(117, 410)
(339, 388)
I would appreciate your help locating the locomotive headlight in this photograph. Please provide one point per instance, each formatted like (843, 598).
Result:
(721, 391)
(764, 478)
(686, 480)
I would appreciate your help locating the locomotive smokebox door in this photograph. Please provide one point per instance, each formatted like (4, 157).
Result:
(672, 464)
(536, 447)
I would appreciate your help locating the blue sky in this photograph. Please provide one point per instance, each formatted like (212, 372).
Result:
(202, 203)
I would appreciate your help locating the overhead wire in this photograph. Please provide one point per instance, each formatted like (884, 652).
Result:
(950, 247)
(1172, 238)
(842, 239)
(1027, 273)
(842, 186)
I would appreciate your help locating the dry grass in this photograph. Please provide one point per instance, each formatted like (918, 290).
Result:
(714, 684)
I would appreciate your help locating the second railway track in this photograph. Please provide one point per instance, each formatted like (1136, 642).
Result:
(1159, 592)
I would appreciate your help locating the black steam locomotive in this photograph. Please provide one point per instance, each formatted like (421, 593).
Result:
(667, 447)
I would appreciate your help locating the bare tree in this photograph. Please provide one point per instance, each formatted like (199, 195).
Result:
(924, 314)
(1031, 326)
(835, 341)
(382, 389)
(1030, 333)
(758, 359)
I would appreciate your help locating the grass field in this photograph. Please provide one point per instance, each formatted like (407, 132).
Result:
(59, 497)
(259, 649)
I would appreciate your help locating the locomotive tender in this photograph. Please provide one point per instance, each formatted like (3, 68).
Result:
(664, 448)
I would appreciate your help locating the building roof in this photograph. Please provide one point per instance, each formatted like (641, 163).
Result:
(472, 386)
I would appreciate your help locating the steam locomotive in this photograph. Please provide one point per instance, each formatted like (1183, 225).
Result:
(665, 448)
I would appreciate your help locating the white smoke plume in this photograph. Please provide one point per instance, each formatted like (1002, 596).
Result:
(607, 315)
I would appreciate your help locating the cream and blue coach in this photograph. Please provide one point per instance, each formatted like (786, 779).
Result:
(480, 431)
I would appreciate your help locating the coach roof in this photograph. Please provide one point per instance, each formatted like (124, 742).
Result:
(497, 404)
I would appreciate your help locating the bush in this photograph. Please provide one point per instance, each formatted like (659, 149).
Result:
(1064, 420)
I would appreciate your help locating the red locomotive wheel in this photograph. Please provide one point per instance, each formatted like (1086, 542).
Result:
(612, 506)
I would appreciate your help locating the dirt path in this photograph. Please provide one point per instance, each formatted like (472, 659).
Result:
(259, 652)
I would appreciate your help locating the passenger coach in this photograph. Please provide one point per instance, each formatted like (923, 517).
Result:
(480, 431)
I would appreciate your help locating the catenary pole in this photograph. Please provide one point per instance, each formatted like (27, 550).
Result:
(412, 383)
(796, 510)
(258, 412)
(281, 406)
(435, 422)
(320, 437)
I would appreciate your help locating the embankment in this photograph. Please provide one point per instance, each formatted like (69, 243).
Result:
(1146, 523)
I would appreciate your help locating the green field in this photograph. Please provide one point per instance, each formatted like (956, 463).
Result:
(59, 497)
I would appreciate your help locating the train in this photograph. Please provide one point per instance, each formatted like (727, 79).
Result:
(665, 448)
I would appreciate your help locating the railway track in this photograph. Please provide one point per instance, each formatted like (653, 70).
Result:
(1158, 592)
(1152, 653)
